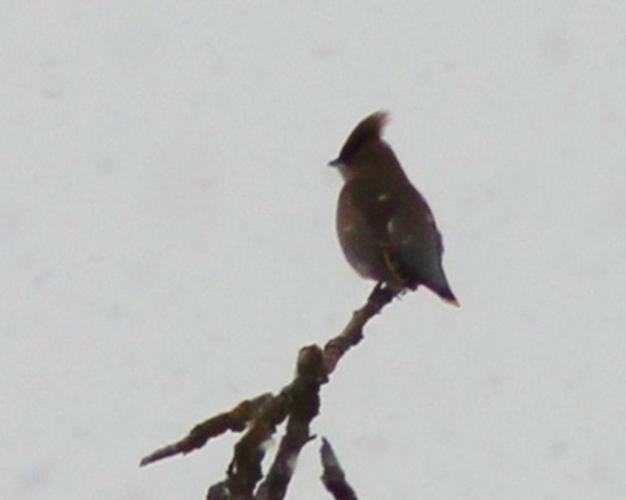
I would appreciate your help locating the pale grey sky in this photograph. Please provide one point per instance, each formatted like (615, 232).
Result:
(167, 241)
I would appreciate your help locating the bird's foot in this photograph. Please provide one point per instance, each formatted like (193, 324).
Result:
(385, 292)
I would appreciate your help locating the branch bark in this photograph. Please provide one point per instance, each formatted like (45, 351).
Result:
(334, 478)
(298, 401)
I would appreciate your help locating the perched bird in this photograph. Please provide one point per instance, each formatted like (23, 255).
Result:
(385, 227)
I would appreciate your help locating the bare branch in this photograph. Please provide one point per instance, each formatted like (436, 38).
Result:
(234, 420)
(305, 402)
(299, 401)
(334, 478)
(352, 334)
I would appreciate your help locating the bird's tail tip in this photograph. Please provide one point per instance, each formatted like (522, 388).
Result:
(448, 297)
(453, 302)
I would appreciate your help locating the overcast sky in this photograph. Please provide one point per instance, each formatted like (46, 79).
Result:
(167, 241)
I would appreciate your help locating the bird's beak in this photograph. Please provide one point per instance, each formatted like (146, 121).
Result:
(335, 163)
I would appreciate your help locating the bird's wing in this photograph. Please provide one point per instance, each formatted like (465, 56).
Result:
(417, 220)
(415, 241)
(400, 224)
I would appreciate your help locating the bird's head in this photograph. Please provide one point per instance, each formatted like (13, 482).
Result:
(364, 152)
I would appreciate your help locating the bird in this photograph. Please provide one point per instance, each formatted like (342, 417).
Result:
(385, 227)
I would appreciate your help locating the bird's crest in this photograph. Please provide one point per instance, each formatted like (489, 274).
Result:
(369, 128)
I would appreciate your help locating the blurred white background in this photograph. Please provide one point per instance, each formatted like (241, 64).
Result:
(167, 241)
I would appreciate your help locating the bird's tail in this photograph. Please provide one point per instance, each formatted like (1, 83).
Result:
(446, 294)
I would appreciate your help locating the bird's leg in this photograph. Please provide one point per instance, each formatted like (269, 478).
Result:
(379, 286)
(383, 292)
